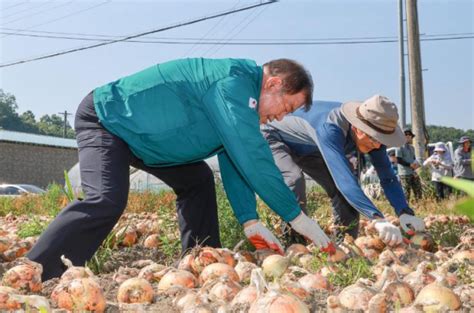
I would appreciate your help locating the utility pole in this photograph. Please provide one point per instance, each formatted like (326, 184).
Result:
(65, 122)
(403, 118)
(416, 79)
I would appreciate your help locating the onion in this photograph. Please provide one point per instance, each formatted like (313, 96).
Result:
(419, 278)
(314, 282)
(370, 242)
(434, 297)
(296, 289)
(275, 265)
(356, 296)
(153, 272)
(304, 260)
(424, 241)
(378, 303)
(224, 290)
(245, 297)
(275, 301)
(189, 300)
(333, 305)
(127, 236)
(152, 241)
(135, 290)
(177, 278)
(464, 255)
(399, 292)
(338, 256)
(74, 272)
(8, 301)
(227, 256)
(24, 278)
(244, 270)
(216, 270)
(4, 244)
(297, 248)
(80, 294)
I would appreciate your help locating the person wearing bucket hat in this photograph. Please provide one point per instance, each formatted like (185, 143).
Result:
(316, 143)
(441, 165)
(463, 159)
(407, 165)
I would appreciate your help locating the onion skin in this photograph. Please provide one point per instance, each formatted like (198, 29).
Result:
(356, 297)
(177, 278)
(401, 292)
(275, 265)
(216, 270)
(278, 302)
(7, 302)
(297, 248)
(135, 290)
(314, 282)
(24, 278)
(245, 296)
(434, 296)
(464, 255)
(224, 290)
(244, 269)
(424, 241)
(81, 294)
(152, 241)
(153, 272)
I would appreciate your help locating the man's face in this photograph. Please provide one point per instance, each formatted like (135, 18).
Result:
(364, 142)
(467, 145)
(274, 104)
(409, 138)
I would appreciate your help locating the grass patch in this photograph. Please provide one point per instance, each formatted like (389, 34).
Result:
(32, 228)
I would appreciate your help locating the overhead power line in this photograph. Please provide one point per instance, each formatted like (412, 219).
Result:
(20, 31)
(250, 42)
(15, 5)
(245, 8)
(36, 13)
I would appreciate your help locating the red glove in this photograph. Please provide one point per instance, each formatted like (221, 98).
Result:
(261, 237)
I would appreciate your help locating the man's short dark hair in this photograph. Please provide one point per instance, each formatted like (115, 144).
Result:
(295, 78)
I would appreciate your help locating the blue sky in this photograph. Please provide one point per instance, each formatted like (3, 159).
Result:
(341, 72)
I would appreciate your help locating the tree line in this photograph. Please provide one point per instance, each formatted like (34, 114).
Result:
(53, 125)
(10, 119)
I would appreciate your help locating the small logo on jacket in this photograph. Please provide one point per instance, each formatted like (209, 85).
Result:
(252, 103)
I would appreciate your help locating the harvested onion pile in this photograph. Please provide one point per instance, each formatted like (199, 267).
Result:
(418, 277)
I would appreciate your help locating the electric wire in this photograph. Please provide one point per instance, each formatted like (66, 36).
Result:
(244, 42)
(41, 4)
(39, 12)
(15, 5)
(245, 8)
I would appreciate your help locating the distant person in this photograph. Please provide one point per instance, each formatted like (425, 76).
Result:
(316, 143)
(441, 165)
(407, 165)
(463, 159)
(166, 120)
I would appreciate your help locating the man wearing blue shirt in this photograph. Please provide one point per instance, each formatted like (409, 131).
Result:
(166, 120)
(316, 142)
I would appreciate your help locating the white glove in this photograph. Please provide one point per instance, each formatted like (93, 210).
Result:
(261, 237)
(410, 222)
(389, 233)
(311, 230)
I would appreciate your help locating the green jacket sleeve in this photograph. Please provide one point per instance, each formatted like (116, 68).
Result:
(248, 164)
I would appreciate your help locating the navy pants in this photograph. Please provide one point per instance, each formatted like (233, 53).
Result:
(79, 229)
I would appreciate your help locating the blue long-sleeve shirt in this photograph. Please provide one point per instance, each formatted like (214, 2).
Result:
(324, 130)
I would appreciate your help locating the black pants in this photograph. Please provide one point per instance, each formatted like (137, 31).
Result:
(104, 159)
(440, 189)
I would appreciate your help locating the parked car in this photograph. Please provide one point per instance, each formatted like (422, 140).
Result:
(13, 190)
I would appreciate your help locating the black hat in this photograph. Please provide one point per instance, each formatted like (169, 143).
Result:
(409, 132)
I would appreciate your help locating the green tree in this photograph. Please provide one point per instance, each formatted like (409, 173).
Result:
(29, 122)
(9, 118)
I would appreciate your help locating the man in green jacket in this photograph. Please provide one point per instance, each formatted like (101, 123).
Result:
(166, 120)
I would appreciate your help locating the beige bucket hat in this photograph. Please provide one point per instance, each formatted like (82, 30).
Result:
(378, 118)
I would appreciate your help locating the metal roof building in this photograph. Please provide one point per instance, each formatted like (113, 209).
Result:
(35, 159)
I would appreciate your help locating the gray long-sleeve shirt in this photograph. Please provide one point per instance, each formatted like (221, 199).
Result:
(462, 163)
